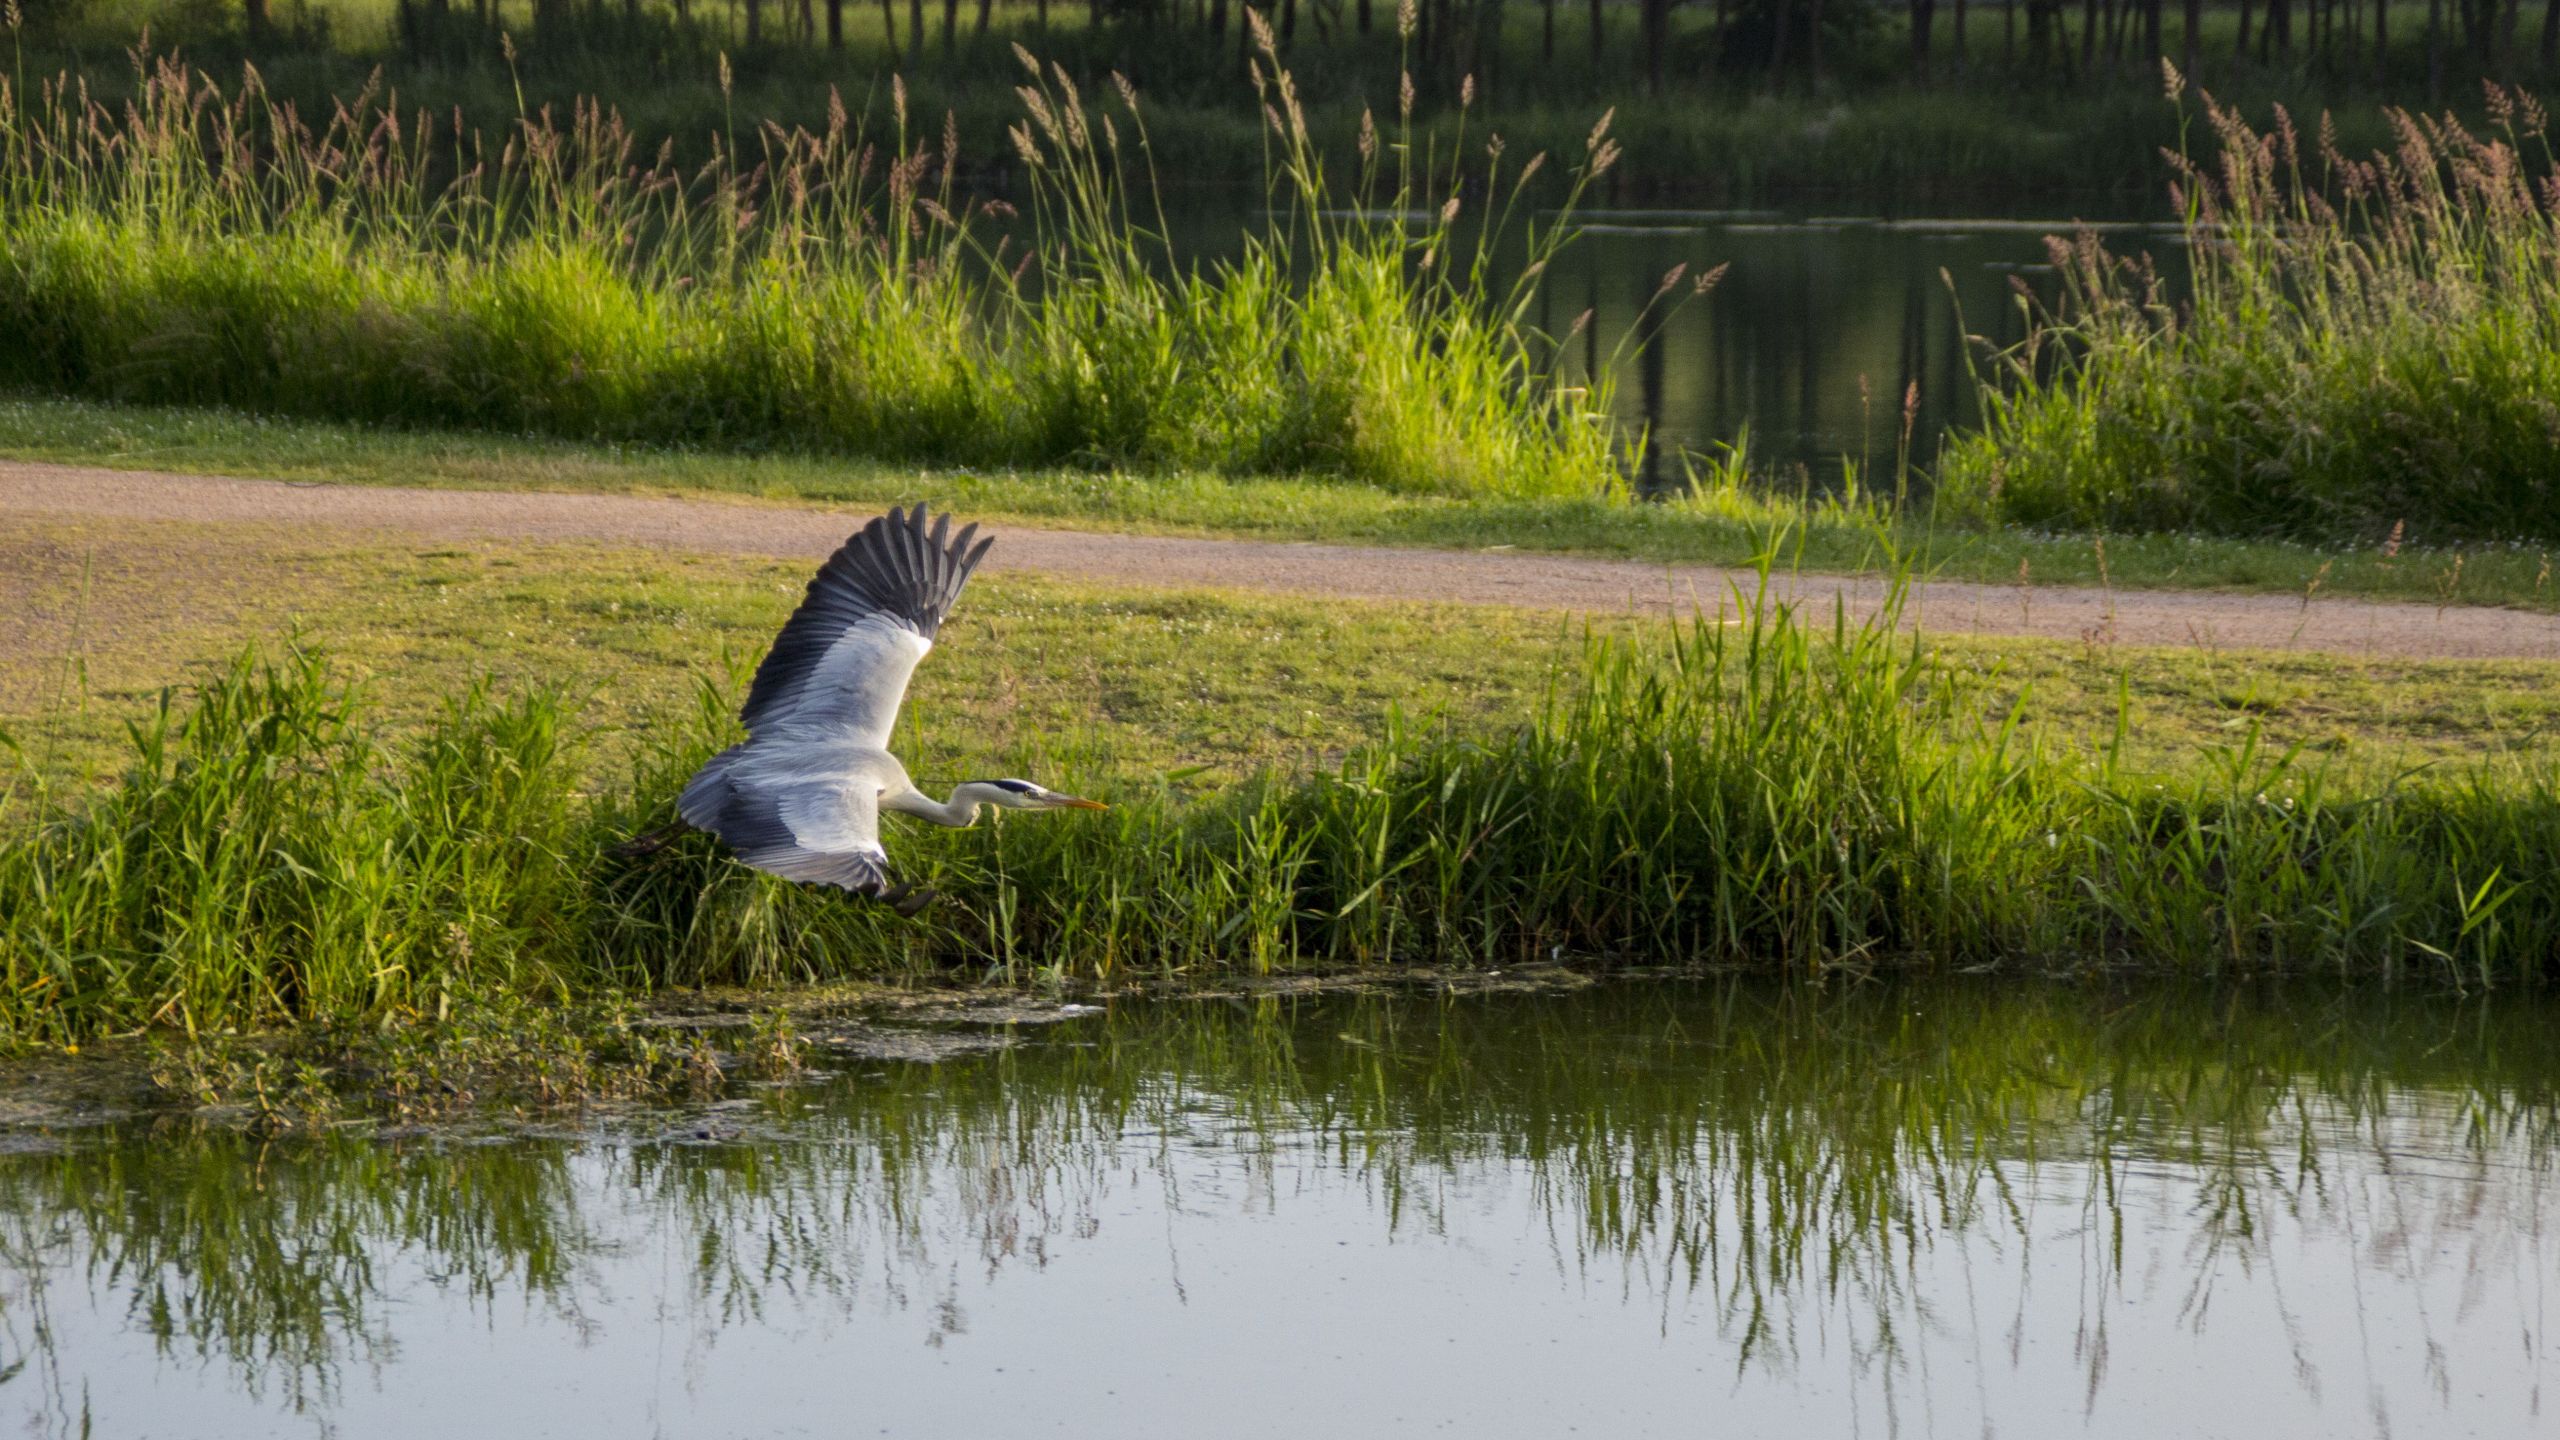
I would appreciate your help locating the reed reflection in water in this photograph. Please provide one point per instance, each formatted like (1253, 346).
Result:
(1820, 329)
(1641, 1208)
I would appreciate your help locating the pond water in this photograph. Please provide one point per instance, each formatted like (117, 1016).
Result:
(1642, 1208)
(1820, 328)
(1821, 325)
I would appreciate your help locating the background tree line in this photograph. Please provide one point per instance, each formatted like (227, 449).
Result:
(1545, 47)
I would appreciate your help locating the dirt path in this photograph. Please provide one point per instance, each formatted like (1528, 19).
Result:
(2136, 617)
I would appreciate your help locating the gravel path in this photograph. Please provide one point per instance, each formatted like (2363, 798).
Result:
(2134, 617)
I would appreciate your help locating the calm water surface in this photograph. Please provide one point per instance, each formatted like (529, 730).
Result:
(1646, 1208)
(1821, 326)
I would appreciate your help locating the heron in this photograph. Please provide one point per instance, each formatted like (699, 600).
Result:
(801, 797)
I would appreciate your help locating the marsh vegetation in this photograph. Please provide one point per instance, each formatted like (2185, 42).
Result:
(808, 290)
(2365, 349)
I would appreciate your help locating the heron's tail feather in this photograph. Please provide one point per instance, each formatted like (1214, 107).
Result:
(708, 791)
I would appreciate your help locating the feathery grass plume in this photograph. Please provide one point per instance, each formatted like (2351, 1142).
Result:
(209, 246)
(2370, 340)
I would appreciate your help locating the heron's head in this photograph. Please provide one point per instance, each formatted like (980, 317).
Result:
(1023, 795)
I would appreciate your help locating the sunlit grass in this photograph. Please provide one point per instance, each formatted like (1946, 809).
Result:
(2369, 354)
(802, 290)
(1790, 792)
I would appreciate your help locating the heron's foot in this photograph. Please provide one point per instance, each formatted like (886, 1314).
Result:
(908, 900)
(650, 842)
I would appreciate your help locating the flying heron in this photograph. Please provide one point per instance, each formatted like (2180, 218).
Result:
(801, 797)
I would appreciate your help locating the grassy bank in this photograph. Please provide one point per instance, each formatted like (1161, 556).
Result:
(1783, 794)
(800, 290)
(2369, 353)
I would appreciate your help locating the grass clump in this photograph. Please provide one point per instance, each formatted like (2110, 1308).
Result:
(801, 290)
(1770, 793)
(2370, 351)
(264, 856)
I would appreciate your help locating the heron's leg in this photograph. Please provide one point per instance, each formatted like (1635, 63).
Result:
(908, 900)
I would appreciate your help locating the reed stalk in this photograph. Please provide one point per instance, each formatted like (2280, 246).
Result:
(810, 290)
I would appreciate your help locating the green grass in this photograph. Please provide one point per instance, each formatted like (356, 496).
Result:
(2370, 353)
(802, 290)
(102, 616)
(1729, 527)
(1786, 794)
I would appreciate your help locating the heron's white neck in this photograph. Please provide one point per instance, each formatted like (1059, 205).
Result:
(959, 812)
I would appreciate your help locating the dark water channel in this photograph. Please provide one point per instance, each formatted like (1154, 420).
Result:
(1820, 328)
(1823, 322)
(1644, 1208)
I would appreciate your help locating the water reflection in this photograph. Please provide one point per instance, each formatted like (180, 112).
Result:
(1642, 1208)
(1820, 328)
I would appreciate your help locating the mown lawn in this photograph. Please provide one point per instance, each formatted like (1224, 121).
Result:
(99, 617)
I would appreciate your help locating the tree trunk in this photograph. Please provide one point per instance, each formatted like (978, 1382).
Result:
(1551, 20)
(984, 6)
(2435, 50)
(2194, 21)
(1288, 21)
(755, 23)
(1547, 45)
(1657, 39)
(835, 24)
(2241, 51)
(2381, 41)
(2550, 33)
(2088, 35)
(1924, 14)
(950, 25)
(1813, 44)
(255, 13)
(2154, 46)
(889, 28)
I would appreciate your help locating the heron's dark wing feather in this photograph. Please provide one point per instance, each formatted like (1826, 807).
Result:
(870, 615)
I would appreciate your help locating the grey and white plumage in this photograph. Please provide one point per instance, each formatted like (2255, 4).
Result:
(802, 797)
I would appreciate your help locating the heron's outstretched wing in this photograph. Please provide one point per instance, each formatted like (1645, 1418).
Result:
(844, 657)
(821, 830)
